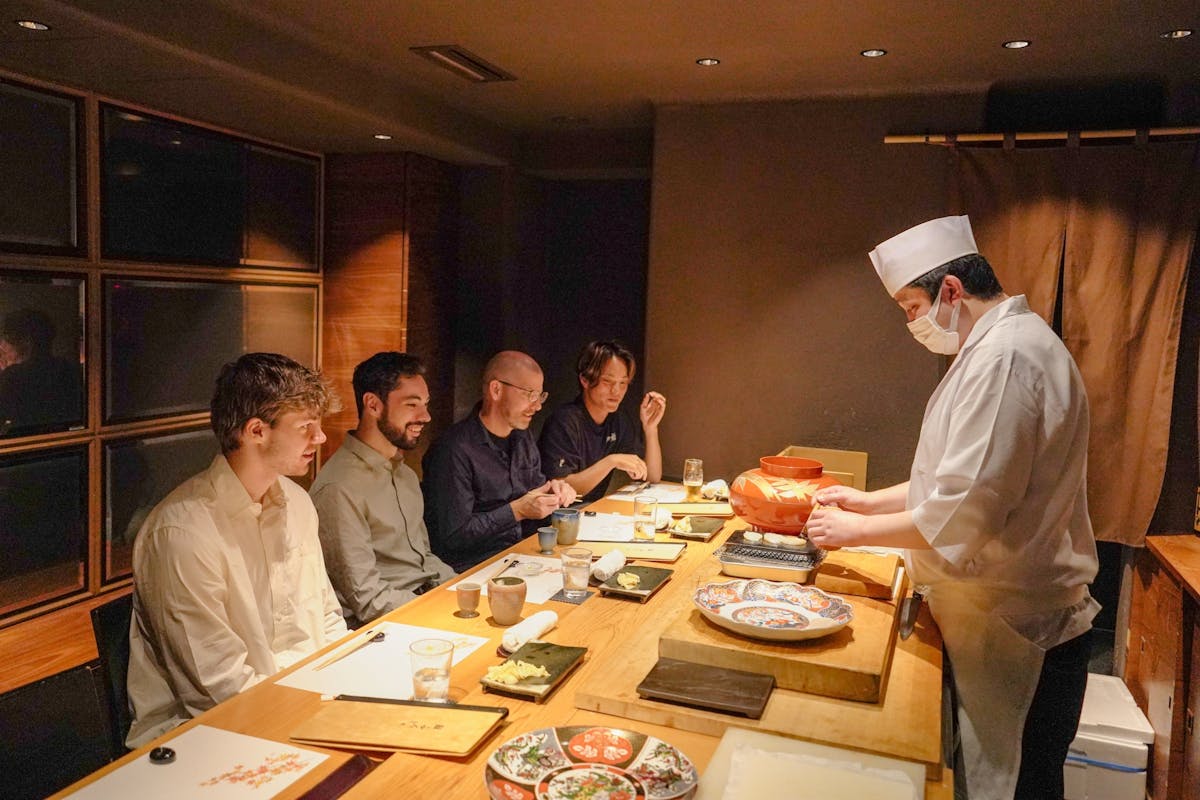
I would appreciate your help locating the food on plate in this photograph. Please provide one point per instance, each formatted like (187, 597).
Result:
(753, 537)
(774, 538)
(510, 672)
(684, 525)
(628, 580)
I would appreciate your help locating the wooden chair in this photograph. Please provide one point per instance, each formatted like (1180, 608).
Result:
(848, 466)
(110, 626)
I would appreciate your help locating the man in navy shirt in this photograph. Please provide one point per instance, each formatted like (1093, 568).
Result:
(483, 476)
(585, 440)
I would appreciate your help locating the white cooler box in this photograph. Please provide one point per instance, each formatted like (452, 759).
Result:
(1107, 759)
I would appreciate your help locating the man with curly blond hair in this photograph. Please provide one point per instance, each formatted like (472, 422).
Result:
(229, 582)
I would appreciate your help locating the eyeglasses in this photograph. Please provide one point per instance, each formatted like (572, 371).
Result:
(532, 395)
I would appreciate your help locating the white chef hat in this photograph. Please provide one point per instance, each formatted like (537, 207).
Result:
(909, 255)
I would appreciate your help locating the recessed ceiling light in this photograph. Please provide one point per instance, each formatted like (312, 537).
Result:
(874, 53)
(383, 137)
(1181, 33)
(125, 115)
(708, 62)
(32, 25)
(1017, 44)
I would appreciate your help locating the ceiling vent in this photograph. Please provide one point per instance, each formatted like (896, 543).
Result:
(463, 63)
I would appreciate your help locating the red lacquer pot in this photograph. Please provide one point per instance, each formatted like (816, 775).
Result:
(778, 496)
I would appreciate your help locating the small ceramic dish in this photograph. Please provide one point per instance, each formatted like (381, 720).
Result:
(772, 610)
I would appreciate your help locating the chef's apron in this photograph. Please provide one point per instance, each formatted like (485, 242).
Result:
(996, 672)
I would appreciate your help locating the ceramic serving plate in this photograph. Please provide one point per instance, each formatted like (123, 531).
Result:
(580, 762)
(773, 610)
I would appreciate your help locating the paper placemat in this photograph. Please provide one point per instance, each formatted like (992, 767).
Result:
(210, 763)
(662, 492)
(602, 527)
(538, 588)
(379, 669)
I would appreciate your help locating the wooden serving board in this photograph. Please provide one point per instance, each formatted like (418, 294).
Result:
(903, 724)
(849, 664)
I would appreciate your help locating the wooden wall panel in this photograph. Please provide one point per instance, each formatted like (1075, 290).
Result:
(364, 271)
(431, 189)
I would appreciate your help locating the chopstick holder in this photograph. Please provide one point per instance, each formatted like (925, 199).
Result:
(528, 629)
(607, 565)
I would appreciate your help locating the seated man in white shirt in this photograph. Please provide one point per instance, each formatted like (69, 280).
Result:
(229, 583)
(369, 501)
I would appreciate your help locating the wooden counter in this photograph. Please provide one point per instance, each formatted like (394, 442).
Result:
(608, 627)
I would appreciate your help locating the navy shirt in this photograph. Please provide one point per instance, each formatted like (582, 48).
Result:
(572, 441)
(469, 482)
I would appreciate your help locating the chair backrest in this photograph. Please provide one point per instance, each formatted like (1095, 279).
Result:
(53, 732)
(842, 464)
(110, 625)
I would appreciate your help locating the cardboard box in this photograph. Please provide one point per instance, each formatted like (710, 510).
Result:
(1107, 760)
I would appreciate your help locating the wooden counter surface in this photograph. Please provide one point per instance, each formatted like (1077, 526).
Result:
(1180, 554)
(605, 625)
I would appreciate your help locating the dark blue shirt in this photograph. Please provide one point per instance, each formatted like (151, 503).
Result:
(572, 441)
(469, 482)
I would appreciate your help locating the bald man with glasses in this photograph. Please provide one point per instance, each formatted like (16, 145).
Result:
(484, 485)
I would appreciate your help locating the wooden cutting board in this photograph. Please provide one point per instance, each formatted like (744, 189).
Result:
(860, 574)
(850, 664)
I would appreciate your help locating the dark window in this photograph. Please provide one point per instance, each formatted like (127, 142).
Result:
(169, 191)
(165, 341)
(281, 209)
(43, 526)
(41, 353)
(137, 474)
(39, 151)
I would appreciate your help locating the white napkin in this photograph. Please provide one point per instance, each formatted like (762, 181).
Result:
(715, 490)
(607, 565)
(528, 629)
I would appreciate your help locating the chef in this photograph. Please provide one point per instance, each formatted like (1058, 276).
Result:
(994, 514)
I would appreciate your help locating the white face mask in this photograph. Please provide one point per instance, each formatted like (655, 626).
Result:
(928, 332)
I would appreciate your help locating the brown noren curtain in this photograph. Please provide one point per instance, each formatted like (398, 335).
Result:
(1117, 224)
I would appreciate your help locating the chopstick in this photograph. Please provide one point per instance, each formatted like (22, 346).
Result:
(368, 637)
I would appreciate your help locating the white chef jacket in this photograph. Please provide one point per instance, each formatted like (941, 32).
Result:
(226, 593)
(998, 489)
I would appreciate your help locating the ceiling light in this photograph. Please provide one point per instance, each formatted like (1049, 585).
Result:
(1017, 44)
(874, 53)
(383, 137)
(708, 62)
(1181, 33)
(32, 25)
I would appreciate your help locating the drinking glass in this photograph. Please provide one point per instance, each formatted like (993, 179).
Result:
(547, 537)
(645, 511)
(468, 600)
(577, 565)
(431, 660)
(693, 479)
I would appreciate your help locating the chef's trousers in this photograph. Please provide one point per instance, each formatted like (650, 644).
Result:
(1053, 718)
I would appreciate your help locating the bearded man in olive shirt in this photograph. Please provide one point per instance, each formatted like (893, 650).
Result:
(369, 501)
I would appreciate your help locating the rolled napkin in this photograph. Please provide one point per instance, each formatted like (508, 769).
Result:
(715, 490)
(607, 565)
(528, 629)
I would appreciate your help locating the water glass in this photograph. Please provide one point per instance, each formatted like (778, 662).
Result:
(566, 522)
(577, 565)
(645, 513)
(693, 479)
(431, 660)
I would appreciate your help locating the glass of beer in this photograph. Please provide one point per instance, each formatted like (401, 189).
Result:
(693, 479)
(645, 511)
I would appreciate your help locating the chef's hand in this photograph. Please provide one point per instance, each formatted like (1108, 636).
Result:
(845, 497)
(830, 528)
(633, 466)
(652, 409)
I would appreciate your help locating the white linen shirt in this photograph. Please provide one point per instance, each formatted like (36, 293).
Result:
(227, 592)
(998, 484)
